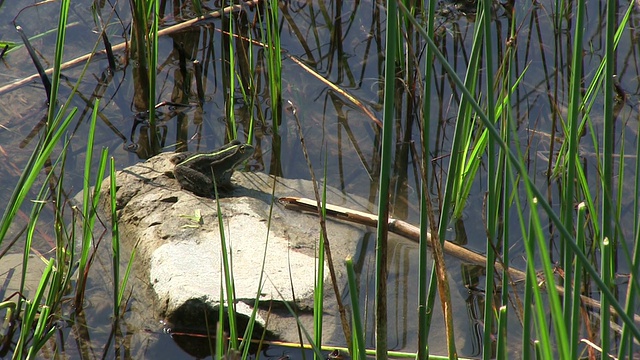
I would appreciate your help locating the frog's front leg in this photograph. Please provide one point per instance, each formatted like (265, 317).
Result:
(193, 180)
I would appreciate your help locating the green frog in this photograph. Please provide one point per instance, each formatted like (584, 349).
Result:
(196, 171)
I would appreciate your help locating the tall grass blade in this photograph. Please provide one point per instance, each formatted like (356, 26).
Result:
(30, 319)
(608, 210)
(60, 40)
(538, 309)
(318, 296)
(494, 181)
(423, 260)
(574, 328)
(89, 204)
(230, 101)
(115, 241)
(522, 171)
(36, 62)
(152, 53)
(572, 139)
(227, 266)
(504, 112)
(385, 175)
(274, 62)
(197, 7)
(54, 131)
(626, 344)
(30, 173)
(358, 351)
(327, 248)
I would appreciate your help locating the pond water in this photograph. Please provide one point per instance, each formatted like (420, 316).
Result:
(342, 43)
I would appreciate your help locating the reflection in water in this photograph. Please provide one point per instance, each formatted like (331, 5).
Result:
(473, 277)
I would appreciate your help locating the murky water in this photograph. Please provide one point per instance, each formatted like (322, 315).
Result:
(342, 42)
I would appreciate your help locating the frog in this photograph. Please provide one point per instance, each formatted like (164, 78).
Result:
(199, 172)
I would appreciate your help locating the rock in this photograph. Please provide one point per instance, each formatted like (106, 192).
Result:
(11, 270)
(178, 242)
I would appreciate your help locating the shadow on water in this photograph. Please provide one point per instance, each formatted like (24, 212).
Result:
(343, 45)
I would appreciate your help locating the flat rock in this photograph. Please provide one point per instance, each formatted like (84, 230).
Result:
(177, 236)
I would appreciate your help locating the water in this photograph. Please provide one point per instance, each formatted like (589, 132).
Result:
(342, 42)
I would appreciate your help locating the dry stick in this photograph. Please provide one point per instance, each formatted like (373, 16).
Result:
(122, 46)
(441, 275)
(412, 233)
(337, 89)
(315, 74)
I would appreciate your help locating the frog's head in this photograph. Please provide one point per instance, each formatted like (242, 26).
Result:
(239, 152)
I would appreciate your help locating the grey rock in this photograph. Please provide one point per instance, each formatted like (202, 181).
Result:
(272, 249)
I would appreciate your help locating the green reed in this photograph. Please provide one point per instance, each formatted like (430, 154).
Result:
(424, 301)
(505, 82)
(230, 101)
(626, 343)
(43, 308)
(57, 126)
(389, 112)
(318, 296)
(119, 286)
(494, 179)
(358, 351)
(144, 51)
(227, 275)
(511, 190)
(249, 331)
(570, 168)
(609, 237)
(90, 199)
(54, 132)
(197, 7)
(274, 61)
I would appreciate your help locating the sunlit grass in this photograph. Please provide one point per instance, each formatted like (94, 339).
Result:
(41, 313)
(539, 307)
(359, 350)
(274, 61)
